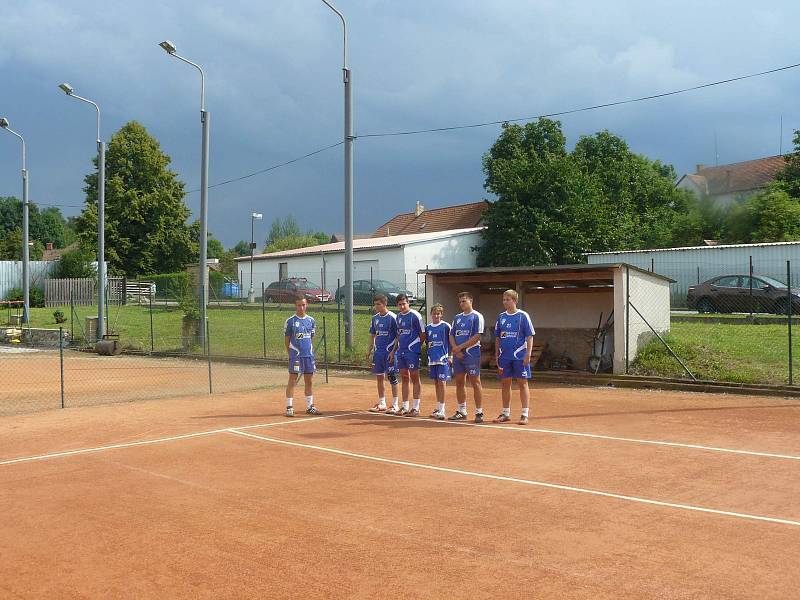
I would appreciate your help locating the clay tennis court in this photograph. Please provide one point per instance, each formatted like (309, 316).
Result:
(606, 494)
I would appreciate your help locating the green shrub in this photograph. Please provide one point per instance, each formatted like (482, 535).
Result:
(36, 296)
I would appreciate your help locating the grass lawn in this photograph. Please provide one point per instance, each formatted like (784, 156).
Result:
(743, 353)
(232, 331)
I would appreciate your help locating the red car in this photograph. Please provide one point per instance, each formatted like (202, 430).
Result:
(288, 290)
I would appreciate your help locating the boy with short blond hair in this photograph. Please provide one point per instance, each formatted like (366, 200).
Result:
(383, 329)
(513, 346)
(465, 343)
(299, 332)
(437, 336)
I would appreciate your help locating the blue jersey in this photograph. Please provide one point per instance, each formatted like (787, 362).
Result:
(466, 326)
(438, 340)
(409, 329)
(301, 331)
(512, 333)
(384, 328)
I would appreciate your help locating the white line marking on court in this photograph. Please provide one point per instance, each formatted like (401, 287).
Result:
(543, 484)
(161, 440)
(597, 436)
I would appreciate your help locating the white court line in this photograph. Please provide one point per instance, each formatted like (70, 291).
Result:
(161, 440)
(531, 482)
(597, 436)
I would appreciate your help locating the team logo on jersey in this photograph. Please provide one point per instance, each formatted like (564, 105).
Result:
(502, 321)
(297, 323)
(458, 321)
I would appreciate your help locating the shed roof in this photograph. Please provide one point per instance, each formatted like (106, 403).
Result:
(394, 241)
(581, 272)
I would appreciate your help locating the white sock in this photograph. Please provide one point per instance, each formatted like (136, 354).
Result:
(405, 404)
(479, 410)
(289, 402)
(524, 412)
(416, 404)
(395, 403)
(309, 401)
(440, 407)
(507, 412)
(381, 402)
(462, 408)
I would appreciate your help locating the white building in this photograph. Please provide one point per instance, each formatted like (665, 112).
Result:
(396, 259)
(694, 264)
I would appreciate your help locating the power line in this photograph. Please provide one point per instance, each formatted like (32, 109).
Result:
(514, 120)
(272, 168)
(585, 108)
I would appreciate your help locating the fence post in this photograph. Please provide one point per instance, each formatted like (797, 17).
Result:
(263, 320)
(152, 344)
(750, 279)
(208, 356)
(339, 318)
(627, 317)
(789, 312)
(61, 360)
(71, 316)
(325, 345)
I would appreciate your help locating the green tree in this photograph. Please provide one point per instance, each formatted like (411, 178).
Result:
(553, 205)
(11, 246)
(282, 228)
(789, 178)
(146, 218)
(291, 242)
(215, 249)
(241, 248)
(772, 216)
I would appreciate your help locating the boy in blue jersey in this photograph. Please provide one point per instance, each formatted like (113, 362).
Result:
(437, 337)
(465, 342)
(383, 328)
(513, 346)
(410, 336)
(298, 334)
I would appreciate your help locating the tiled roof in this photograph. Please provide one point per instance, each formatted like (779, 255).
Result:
(460, 216)
(56, 253)
(738, 177)
(393, 241)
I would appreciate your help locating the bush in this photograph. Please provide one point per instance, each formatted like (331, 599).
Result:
(59, 317)
(36, 296)
(75, 264)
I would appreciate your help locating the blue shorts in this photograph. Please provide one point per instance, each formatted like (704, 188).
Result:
(381, 364)
(514, 368)
(302, 365)
(471, 365)
(439, 372)
(408, 360)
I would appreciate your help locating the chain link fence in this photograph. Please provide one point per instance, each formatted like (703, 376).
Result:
(728, 322)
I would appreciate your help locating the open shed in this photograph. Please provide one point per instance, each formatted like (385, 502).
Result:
(567, 304)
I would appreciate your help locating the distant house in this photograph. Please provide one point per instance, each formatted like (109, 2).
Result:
(460, 216)
(735, 181)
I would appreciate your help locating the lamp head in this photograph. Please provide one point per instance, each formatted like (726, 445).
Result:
(168, 46)
(257, 216)
(67, 89)
(3, 122)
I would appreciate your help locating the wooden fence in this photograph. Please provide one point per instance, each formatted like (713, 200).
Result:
(81, 292)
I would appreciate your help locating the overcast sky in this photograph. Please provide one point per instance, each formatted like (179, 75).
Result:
(274, 89)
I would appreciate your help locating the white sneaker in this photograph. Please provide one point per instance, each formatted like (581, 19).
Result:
(438, 415)
(289, 411)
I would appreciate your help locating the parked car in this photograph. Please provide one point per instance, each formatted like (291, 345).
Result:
(364, 290)
(287, 290)
(733, 293)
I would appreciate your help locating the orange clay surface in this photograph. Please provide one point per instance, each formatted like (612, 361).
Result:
(459, 511)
